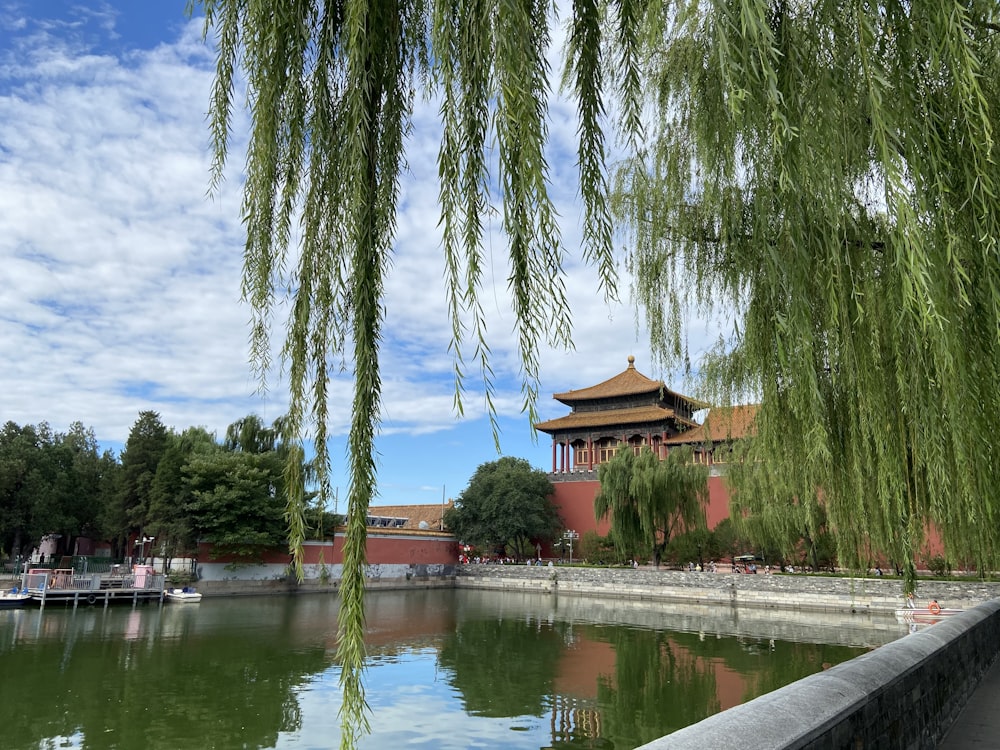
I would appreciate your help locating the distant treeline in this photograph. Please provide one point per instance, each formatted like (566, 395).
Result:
(178, 487)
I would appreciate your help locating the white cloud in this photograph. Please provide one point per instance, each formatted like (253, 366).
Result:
(122, 276)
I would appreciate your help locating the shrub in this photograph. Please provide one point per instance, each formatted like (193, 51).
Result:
(939, 565)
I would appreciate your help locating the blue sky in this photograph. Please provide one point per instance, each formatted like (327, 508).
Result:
(121, 273)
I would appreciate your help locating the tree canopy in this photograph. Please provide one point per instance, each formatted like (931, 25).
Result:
(825, 173)
(177, 487)
(146, 444)
(50, 483)
(507, 504)
(233, 494)
(650, 500)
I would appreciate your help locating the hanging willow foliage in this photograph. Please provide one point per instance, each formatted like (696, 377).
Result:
(828, 170)
(824, 170)
(330, 89)
(649, 500)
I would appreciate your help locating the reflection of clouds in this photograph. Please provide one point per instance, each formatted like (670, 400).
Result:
(411, 706)
(77, 740)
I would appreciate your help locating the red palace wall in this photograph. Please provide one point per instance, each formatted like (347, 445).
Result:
(575, 503)
(718, 502)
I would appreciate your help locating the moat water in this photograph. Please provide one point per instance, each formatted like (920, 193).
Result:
(447, 669)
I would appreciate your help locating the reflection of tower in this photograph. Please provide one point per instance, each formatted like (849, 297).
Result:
(573, 720)
(587, 722)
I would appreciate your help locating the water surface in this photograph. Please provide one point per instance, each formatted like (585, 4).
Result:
(448, 669)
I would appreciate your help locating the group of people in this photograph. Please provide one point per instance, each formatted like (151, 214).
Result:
(693, 567)
(480, 560)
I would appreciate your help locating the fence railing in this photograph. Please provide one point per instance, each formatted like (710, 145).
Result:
(38, 580)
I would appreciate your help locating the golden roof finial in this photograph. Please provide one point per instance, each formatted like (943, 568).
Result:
(631, 362)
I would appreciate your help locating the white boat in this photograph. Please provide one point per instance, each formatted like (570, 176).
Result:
(186, 595)
(924, 614)
(13, 598)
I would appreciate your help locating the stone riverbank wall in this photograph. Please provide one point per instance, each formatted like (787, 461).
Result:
(795, 591)
(377, 578)
(904, 694)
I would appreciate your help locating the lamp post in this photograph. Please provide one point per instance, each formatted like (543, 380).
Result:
(142, 547)
(568, 537)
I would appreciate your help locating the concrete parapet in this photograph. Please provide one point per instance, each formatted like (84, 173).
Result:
(905, 694)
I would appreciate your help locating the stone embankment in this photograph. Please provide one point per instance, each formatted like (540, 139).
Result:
(792, 591)
(906, 694)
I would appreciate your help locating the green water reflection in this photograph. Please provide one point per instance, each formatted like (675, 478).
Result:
(448, 669)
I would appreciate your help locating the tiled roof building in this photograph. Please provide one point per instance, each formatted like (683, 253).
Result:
(633, 411)
(421, 517)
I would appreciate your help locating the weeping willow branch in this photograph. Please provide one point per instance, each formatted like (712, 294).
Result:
(767, 145)
(331, 88)
(830, 172)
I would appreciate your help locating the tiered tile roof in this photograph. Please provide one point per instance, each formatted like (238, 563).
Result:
(431, 514)
(723, 423)
(629, 382)
(626, 386)
(638, 415)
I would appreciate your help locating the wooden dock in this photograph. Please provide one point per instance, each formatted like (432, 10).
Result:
(66, 587)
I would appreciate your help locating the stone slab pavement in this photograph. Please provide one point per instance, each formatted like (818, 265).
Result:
(978, 725)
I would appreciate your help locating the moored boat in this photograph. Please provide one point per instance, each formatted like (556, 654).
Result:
(186, 595)
(14, 598)
(924, 614)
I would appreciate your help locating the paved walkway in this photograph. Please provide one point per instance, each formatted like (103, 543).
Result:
(978, 726)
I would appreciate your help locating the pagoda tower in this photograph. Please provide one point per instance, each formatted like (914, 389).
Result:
(629, 412)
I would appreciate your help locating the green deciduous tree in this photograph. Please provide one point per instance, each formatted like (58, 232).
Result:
(50, 483)
(237, 502)
(25, 480)
(236, 495)
(507, 504)
(171, 497)
(251, 435)
(650, 500)
(765, 509)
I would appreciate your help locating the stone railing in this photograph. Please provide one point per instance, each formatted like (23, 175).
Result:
(905, 694)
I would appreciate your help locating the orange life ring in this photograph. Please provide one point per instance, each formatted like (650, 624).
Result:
(934, 608)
